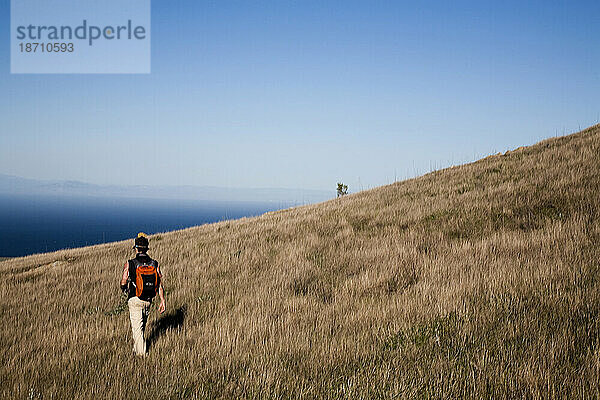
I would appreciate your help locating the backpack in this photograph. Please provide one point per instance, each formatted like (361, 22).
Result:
(146, 281)
(146, 278)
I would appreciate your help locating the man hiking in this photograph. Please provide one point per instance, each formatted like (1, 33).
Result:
(141, 281)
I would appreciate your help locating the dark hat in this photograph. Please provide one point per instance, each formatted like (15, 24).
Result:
(141, 241)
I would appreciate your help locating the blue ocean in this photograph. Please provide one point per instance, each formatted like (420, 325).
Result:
(37, 224)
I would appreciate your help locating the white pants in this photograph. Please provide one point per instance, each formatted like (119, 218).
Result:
(138, 314)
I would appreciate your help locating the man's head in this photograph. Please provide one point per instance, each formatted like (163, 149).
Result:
(141, 243)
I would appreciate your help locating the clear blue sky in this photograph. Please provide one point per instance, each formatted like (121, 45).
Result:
(307, 93)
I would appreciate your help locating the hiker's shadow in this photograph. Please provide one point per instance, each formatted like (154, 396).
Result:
(171, 320)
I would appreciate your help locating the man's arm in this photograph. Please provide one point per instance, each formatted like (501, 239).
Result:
(163, 304)
(124, 277)
(161, 293)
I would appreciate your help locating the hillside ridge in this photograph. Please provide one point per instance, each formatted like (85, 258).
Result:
(475, 281)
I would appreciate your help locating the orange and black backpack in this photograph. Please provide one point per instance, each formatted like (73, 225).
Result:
(144, 276)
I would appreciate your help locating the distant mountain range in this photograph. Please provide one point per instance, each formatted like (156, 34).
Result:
(16, 185)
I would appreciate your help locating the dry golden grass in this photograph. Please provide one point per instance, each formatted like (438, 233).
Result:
(476, 281)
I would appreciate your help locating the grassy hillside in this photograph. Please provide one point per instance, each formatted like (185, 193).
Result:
(474, 281)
